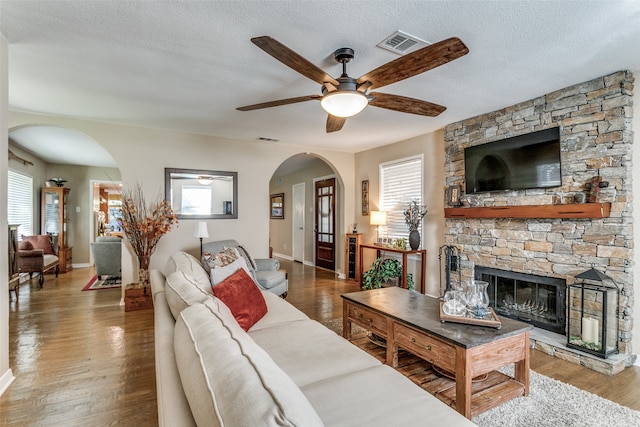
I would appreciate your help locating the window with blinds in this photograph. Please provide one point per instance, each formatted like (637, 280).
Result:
(400, 183)
(20, 202)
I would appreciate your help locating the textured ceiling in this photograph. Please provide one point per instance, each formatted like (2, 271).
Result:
(187, 65)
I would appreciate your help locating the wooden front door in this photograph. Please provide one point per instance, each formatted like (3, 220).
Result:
(325, 192)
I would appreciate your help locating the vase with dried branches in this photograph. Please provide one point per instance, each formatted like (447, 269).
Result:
(144, 225)
(413, 216)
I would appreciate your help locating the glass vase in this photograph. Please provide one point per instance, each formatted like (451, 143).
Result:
(477, 298)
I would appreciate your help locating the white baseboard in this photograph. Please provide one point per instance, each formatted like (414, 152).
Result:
(83, 265)
(283, 256)
(290, 258)
(5, 381)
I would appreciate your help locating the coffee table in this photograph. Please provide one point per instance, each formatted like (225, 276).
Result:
(411, 321)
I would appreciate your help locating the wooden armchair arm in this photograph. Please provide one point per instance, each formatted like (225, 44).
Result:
(32, 253)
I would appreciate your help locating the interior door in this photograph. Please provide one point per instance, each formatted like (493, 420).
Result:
(298, 222)
(325, 223)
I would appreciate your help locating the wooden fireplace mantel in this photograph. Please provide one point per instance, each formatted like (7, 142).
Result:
(578, 210)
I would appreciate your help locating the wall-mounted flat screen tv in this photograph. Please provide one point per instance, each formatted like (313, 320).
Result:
(518, 163)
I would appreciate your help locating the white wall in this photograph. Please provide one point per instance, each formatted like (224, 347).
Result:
(635, 182)
(367, 167)
(6, 375)
(142, 154)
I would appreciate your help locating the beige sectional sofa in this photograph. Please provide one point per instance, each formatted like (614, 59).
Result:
(285, 370)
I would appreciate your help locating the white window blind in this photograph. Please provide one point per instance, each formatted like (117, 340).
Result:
(20, 202)
(400, 183)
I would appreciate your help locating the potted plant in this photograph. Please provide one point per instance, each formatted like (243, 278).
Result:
(412, 216)
(144, 225)
(381, 271)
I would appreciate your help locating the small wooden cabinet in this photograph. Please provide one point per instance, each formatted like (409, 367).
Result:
(54, 219)
(352, 260)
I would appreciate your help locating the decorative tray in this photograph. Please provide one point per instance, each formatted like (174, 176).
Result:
(491, 320)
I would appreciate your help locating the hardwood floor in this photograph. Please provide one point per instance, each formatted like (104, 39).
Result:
(80, 360)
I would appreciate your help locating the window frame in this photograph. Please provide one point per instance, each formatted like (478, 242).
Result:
(395, 204)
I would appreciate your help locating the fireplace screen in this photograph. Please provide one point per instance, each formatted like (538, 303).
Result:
(537, 300)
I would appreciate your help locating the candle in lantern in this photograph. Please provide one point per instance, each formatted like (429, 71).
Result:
(587, 329)
(595, 330)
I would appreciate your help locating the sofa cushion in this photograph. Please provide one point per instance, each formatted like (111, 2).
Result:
(228, 379)
(240, 293)
(278, 311)
(40, 241)
(296, 346)
(268, 279)
(378, 397)
(219, 274)
(182, 261)
(182, 291)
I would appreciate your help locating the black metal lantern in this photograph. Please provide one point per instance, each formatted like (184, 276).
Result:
(592, 307)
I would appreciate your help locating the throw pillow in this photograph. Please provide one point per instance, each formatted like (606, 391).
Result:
(218, 274)
(25, 245)
(247, 257)
(225, 257)
(240, 293)
(40, 241)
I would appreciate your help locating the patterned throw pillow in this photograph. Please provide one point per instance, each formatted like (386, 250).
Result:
(223, 258)
(245, 254)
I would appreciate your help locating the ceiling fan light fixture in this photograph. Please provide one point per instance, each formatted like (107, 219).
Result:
(344, 103)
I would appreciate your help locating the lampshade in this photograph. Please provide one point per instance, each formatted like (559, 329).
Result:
(344, 103)
(201, 230)
(377, 217)
(205, 180)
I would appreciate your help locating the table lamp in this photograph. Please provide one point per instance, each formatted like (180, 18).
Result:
(201, 232)
(377, 218)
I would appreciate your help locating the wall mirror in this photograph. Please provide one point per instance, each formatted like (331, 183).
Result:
(202, 194)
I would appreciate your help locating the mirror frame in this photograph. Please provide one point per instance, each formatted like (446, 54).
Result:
(168, 174)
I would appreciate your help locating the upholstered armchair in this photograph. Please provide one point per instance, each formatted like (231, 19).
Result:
(266, 271)
(37, 254)
(107, 251)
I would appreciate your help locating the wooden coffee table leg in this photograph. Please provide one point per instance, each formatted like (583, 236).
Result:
(346, 323)
(521, 368)
(392, 346)
(463, 383)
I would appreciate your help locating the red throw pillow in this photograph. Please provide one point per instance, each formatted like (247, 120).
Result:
(240, 293)
(40, 241)
(25, 246)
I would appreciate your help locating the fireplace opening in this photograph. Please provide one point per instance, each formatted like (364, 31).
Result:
(537, 300)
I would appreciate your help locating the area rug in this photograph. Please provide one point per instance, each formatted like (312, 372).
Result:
(551, 403)
(107, 282)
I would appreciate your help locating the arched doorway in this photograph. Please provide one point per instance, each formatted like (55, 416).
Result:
(295, 236)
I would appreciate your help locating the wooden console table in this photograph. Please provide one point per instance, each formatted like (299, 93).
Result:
(405, 253)
(411, 321)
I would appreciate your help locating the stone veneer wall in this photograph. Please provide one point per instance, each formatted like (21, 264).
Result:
(595, 137)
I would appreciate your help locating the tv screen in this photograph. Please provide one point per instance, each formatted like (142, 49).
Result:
(518, 163)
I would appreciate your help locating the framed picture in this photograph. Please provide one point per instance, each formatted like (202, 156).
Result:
(453, 195)
(365, 197)
(277, 206)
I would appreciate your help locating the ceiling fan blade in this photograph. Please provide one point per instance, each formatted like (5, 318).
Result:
(405, 104)
(292, 59)
(278, 102)
(417, 62)
(334, 123)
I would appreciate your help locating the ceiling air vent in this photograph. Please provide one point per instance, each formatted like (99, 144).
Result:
(402, 43)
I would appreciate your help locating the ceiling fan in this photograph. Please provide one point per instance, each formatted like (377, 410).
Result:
(346, 96)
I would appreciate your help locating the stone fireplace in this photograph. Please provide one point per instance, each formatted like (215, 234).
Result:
(594, 118)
